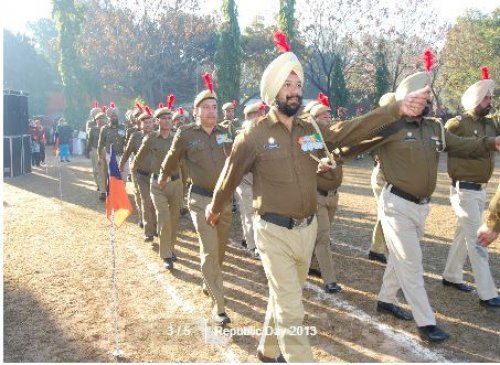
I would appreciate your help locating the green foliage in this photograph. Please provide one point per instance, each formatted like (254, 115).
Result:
(474, 41)
(229, 54)
(286, 20)
(68, 18)
(382, 81)
(339, 94)
(25, 69)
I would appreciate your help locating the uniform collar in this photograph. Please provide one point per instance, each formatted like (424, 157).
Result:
(473, 115)
(217, 128)
(273, 119)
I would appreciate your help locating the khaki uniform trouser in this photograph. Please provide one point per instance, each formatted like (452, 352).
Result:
(468, 206)
(244, 192)
(322, 257)
(137, 195)
(213, 242)
(167, 203)
(98, 171)
(286, 256)
(378, 240)
(148, 209)
(403, 223)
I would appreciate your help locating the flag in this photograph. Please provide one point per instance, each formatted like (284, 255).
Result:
(117, 198)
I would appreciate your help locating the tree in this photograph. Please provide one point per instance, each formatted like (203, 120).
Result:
(286, 21)
(228, 55)
(25, 69)
(474, 41)
(68, 18)
(339, 94)
(382, 81)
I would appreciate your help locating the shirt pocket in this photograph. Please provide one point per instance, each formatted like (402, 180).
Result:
(274, 166)
(198, 152)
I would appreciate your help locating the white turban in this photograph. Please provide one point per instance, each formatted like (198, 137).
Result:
(473, 96)
(410, 84)
(386, 99)
(276, 74)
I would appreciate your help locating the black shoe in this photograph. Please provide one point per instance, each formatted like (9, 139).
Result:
(493, 302)
(459, 286)
(395, 310)
(253, 253)
(140, 224)
(168, 263)
(314, 272)
(432, 334)
(221, 319)
(244, 243)
(264, 358)
(102, 196)
(332, 288)
(148, 239)
(184, 211)
(380, 257)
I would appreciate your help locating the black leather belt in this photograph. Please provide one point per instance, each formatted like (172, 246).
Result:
(467, 185)
(143, 173)
(172, 178)
(286, 222)
(325, 193)
(409, 197)
(200, 191)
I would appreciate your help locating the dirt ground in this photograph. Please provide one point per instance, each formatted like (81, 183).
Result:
(58, 289)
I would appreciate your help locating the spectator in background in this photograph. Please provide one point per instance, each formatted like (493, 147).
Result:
(64, 137)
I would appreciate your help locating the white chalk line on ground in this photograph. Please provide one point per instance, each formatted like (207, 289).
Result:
(209, 335)
(401, 338)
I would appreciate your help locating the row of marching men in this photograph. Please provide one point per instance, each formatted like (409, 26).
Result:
(295, 180)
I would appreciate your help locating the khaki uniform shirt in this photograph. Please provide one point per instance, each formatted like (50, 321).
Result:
(129, 131)
(478, 170)
(204, 154)
(89, 124)
(111, 135)
(155, 149)
(93, 137)
(284, 175)
(493, 221)
(409, 158)
(134, 144)
(232, 124)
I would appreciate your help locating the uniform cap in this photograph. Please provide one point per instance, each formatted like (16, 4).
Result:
(386, 99)
(208, 93)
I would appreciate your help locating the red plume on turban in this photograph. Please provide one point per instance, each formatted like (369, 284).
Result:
(148, 111)
(485, 72)
(112, 105)
(103, 109)
(208, 81)
(181, 110)
(160, 106)
(281, 42)
(428, 59)
(96, 104)
(170, 101)
(323, 99)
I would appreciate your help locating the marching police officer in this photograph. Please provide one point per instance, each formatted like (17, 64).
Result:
(409, 155)
(277, 150)
(167, 201)
(469, 177)
(141, 174)
(204, 147)
(92, 141)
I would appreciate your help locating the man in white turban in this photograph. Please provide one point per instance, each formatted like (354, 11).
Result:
(469, 177)
(280, 149)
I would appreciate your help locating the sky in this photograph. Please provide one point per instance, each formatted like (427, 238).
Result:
(15, 14)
